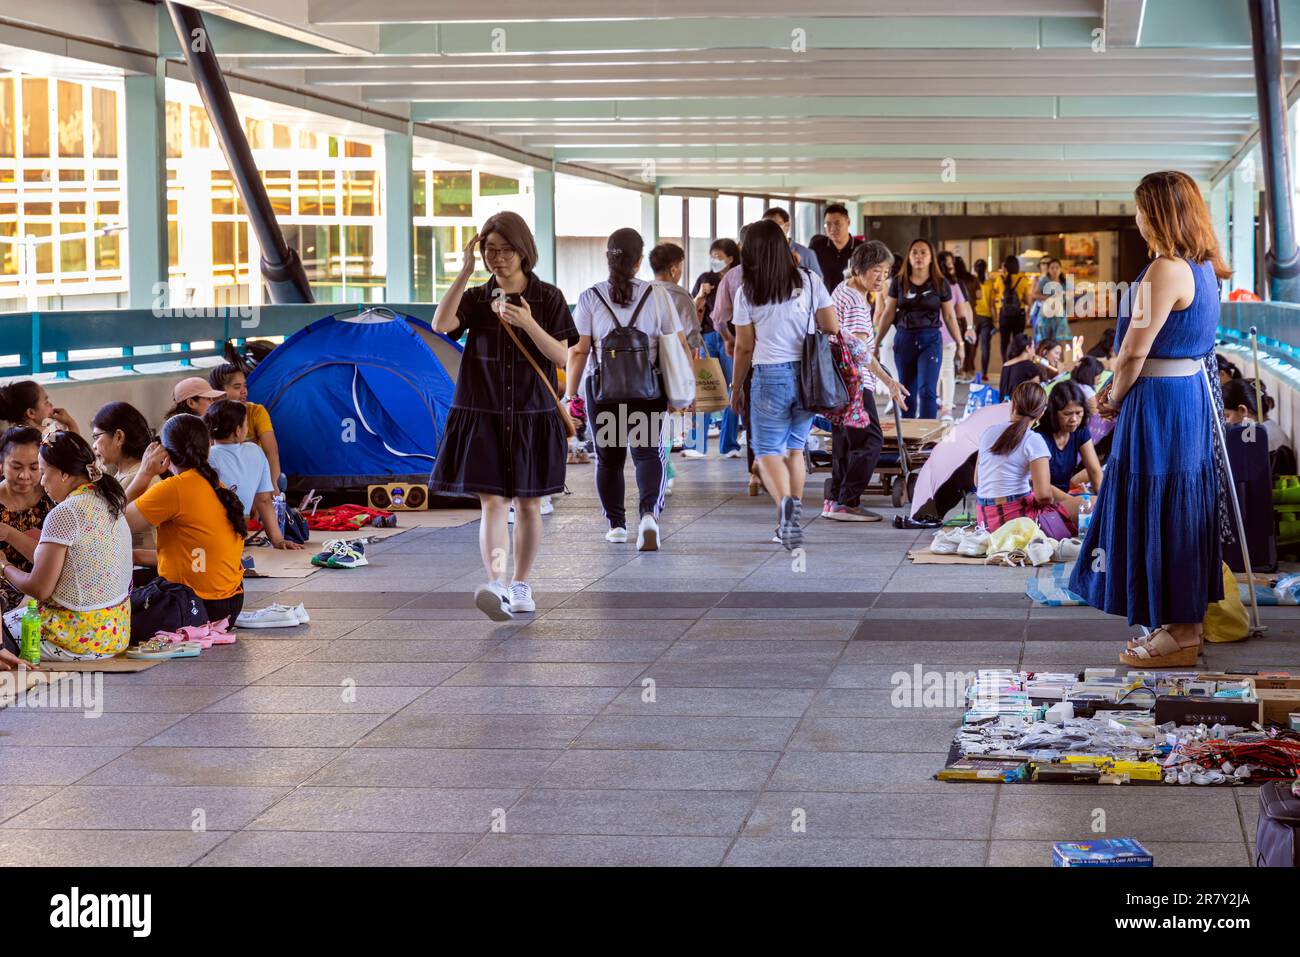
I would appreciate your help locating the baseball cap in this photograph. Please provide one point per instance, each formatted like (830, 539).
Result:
(193, 388)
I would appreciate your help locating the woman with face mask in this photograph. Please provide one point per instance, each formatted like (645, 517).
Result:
(724, 255)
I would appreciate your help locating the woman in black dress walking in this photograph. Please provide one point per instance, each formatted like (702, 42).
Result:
(504, 438)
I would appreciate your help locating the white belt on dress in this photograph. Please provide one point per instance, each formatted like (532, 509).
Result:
(1169, 368)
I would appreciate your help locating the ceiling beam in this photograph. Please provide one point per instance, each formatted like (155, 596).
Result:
(1123, 22)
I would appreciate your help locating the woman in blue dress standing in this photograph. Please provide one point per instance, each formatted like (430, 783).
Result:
(1152, 550)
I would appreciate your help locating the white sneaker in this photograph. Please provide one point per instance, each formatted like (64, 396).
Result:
(668, 486)
(1067, 549)
(647, 534)
(547, 505)
(616, 536)
(733, 454)
(521, 597)
(493, 599)
(269, 617)
(299, 611)
(694, 454)
(947, 540)
(974, 543)
(1040, 551)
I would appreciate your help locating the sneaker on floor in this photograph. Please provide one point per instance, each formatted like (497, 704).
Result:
(1067, 549)
(694, 454)
(521, 597)
(647, 534)
(789, 530)
(776, 536)
(1040, 551)
(616, 536)
(271, 616)
(668, 487)
(321, 558)
(733, 454)
(493, 599)
(299, 611)
(974, 543)
(350, 555)
(946, 541)
(827, 505)
(853, 513)
(548, 506)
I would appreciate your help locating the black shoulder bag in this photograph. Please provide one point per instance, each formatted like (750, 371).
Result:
(624, 372)
(821, 389)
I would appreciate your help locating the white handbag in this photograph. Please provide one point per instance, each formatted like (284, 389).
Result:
(674, 364)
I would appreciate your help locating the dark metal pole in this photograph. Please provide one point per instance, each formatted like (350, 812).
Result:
(1282, 260)
(286, 280)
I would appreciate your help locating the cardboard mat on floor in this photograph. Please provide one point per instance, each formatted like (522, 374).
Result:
(274, 563)
(924, 557)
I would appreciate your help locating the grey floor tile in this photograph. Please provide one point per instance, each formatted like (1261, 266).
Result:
(893, 701)
(677, 733)
(267, 731)
(512, 700)
(574, 629)
(803, 851)
(586, 812)
(51, 764)
(548, 675)
(1010, 853)
(332, 849)
(585, 650)
(996, 654)
(284, 699)
(213, 767)
(768, 629)
(910, 734)
(403, 649)
(717, 702)
(393, 810)
(119, 848)
(860, 771)
(17, 798)
(943, 816)
(739, 674)
(539, 850)
(148, 808)
(335, 673)
(1145, 813)
(30, 729)
(436, 768)
(655, 770)
(477, 731)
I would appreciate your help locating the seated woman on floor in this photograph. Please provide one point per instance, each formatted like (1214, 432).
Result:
(1069, 442)
(1019, 367)
(196, 517)
(1239, 408)
(81, 571)
(242, 466)
(23, 504)
(1013, 475)
(1050, 353)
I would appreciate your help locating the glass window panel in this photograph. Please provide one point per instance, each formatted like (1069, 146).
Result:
(36, 175)
(281, 137)
(353, 148)
(106, 209)
(359, 243)
(728, 216)
(259, 133)
(9, 252)
(72, 209)
(72, 252)
(359, 194)
(453, 193)
(279, 184)
(200, 128)
(72, 120)
(307, 140)
(752, 209)
(8, 119)
(697, 252)
(72, 175)
(316, 192)
(225, 201)
(422, 263)
(173, 243)
(670, 219)
(489, 184)
(419, 193)
(175, 131)
(106, 174)
(107, 252)
(36, 118)
(103, 116)
(44, 251)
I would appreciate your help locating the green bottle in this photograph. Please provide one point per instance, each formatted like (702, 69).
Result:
(30, 646)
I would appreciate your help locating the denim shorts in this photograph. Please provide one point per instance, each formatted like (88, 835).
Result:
(777, 423)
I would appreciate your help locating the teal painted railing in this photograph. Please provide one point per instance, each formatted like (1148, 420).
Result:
(67, 341)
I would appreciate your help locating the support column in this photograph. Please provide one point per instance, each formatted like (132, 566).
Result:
(1282, 261)
(544, 224)
(650, 218)
(398, 232)
(1243, 226)
(146, 186)
(1219, 217)
(856, 226)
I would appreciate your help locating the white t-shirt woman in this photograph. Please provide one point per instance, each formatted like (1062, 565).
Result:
(780, 327)
(595, 318)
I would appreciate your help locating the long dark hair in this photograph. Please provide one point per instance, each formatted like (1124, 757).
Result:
(935, 278)
(186, 439)
(1086, 370)
(69, 452)
(218, 376)
(17, 398)
(1029, 401)
(1239, 392)
(224, 417)
(981, 271)
(1106, 347)
(623, 253)
(130, 421)
(1062, 394)
(1019, 344)
(770, 274)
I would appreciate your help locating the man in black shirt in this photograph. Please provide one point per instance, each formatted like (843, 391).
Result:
(834, 248)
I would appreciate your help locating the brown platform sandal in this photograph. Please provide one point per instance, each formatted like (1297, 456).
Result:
(1161, 651)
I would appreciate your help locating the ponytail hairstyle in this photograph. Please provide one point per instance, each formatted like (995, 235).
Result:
(127, 419)
(1239, 392)
(17, 399)
(180, 408)
(1086, 370)
(1019, 345)
(68, 452)
(1228, 367)
(623, 253)
(1046, 346)
(1029, 401)
(185, 437)
(224, 417)
(218, 376)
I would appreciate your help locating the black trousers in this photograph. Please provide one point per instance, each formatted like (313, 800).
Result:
(984, 335)
(619, 428)
(218, 608)
(1010, 329)
(854, 454)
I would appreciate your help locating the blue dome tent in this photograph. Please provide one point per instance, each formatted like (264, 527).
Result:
(359, 399)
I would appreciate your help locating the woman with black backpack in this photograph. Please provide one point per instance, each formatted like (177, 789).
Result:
(1010, 301)
(622, 390)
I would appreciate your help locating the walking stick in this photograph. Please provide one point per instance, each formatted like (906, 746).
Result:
(1221, 442)
(1259, 386)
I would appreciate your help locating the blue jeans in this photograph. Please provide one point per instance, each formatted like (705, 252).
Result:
(727, 439)
(777, 422)
(918, 353)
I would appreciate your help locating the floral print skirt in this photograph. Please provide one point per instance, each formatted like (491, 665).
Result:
(104, 631)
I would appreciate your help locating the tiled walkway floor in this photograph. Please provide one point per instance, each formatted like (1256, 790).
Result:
(706, 704)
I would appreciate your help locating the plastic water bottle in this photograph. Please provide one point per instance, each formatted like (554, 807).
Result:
(281, 511)
(29, 648)
(1085, 510)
